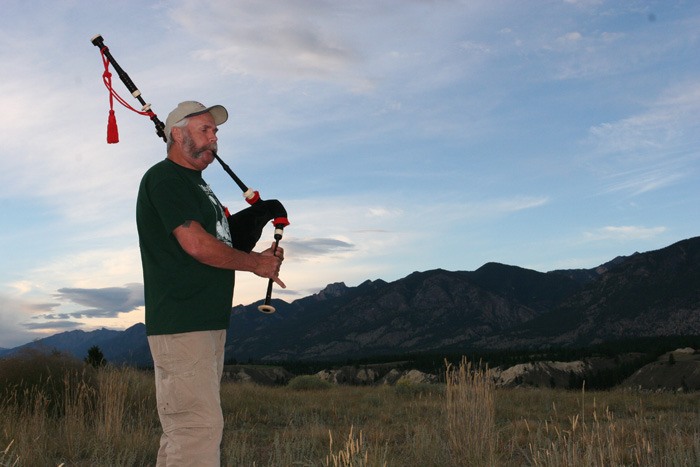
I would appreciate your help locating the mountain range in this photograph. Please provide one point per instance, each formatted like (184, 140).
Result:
(496, 307)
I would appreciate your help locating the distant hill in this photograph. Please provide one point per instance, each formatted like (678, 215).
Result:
(74, 342)
(652, 294)
(498, 306)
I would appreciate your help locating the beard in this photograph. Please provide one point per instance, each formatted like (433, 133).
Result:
(194, 151)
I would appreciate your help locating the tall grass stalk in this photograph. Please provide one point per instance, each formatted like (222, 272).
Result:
(113, 388)
(352, 454)
(471, 414)
(7, 458)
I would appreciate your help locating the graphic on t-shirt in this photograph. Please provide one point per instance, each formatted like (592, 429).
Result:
(222, 231)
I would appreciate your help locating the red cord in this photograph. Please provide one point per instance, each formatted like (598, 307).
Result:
(112, 131)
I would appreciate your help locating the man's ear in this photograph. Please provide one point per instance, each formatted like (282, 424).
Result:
(176, 134)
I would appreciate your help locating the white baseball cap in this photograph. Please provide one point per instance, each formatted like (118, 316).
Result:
(192, 108)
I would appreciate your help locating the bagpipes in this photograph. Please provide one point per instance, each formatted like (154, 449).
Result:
(246, 225)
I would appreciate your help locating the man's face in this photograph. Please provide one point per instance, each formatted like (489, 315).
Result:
(199, 141)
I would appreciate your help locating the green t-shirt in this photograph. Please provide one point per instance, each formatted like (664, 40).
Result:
(182, 294)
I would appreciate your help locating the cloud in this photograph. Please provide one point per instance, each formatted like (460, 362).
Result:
(14, 314)
(476, 47)
(570, 37)
(605, 39)
(53, 326)
(91, 268)
(19, 315)
(478, 210)
(641, 180)
(307, 248)
(384, 212)
(624, 233)
(291, 39)
(105, 302)
(357, 45)
(514, 204)
(644, 132)
(653, 149)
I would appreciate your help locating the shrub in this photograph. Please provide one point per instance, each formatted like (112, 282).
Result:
(31, 372)
(308, 382)
(95, 357)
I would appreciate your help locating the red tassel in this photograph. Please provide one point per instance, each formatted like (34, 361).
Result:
(112, 130)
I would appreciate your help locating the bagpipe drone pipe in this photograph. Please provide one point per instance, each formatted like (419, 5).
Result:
(246, 226)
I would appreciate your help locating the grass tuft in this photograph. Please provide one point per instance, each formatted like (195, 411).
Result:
(308, 383)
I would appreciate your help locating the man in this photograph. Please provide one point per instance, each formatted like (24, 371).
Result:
(188, 267)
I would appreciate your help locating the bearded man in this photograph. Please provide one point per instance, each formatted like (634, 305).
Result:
(188, 269)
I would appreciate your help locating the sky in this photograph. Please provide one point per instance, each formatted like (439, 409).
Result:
(400, 135)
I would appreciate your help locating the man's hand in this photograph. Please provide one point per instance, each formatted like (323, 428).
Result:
(270, 262)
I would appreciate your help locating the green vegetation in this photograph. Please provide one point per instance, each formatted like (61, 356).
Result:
(308, 383)
(95, 358)
(107, 417)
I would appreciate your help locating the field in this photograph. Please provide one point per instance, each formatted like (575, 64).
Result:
(64, 414)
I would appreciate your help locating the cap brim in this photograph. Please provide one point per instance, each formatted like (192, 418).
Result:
(219, 113)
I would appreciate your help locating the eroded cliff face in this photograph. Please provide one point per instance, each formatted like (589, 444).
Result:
(674, 371)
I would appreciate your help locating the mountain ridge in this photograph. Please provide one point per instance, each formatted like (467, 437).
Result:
(497, 306)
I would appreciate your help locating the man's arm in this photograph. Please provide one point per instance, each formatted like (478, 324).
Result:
(207, 249)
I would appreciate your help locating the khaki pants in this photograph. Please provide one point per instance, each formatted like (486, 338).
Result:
(188, 369)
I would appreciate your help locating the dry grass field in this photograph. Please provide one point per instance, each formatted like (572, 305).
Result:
(80, 416)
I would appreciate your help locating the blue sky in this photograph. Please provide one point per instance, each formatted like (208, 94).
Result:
(400, 135)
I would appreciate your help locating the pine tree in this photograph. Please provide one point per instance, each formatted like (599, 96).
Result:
(95, 357)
